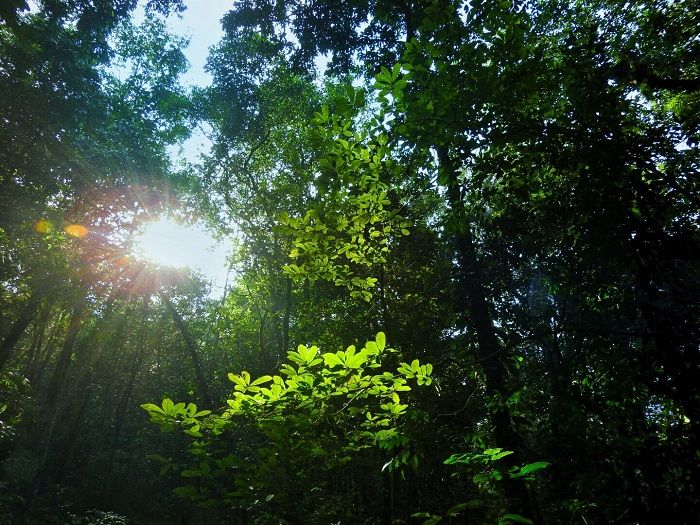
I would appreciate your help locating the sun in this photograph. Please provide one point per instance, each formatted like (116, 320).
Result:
(169, 243)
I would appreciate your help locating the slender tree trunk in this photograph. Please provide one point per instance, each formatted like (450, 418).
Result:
(490, 350)
(123, 403)
(8, 344)
(217, 319)
(38, 342)
(131, 382)
(287, 315)
(64, 358)
(191, 349)
(37, 370)
(261, 333)
(54, 395)
(387, 497)
(82, 386)
(384, 305)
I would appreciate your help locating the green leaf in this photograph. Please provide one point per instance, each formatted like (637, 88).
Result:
(456, 459)
(331, 360)
(168, 405)
(194, 431)
(356, 360)
(239, 380)
(456, 509)
(533, 467)
(150, 407)
(186, 492)
(381, 340)
(261, 380)
(500, 455)
(515, 518)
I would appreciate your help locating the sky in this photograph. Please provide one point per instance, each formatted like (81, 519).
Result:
(201, 23)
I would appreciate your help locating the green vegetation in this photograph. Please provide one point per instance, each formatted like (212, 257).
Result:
(478, 228)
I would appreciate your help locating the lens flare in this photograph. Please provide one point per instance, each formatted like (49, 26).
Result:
(43, 226)
(76, 230)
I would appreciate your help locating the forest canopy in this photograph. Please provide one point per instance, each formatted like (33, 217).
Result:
(462, 282)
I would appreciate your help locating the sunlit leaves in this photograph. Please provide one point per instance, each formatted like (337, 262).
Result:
(338, 388)
(348, 232)
(305, 356)
(420, 372)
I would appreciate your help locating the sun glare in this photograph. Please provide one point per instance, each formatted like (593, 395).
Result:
(166, 242)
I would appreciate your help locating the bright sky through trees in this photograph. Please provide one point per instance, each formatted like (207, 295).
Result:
(169, 243)
(201, 24)
(166, 242)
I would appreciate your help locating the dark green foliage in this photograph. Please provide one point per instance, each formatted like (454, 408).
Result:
(507, 190)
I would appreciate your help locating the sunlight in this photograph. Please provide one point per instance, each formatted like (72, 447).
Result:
(169, 243)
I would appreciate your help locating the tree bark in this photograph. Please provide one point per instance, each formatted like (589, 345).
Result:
(40, 326)
(36, 372)
(382, 300)
(63, 364)
(490, 351)
(287, 315)
(191, 349)
(54, 394)
(18, 328)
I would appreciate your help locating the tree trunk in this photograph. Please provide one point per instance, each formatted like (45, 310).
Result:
(124, 399)
(38, 341)
(490, 351)
(287, 315)
(384, 304)
(64, 358)
(7, 346)
(54, 394)
(82, 386)
(36, 372)
(387, 497)
(191, 349)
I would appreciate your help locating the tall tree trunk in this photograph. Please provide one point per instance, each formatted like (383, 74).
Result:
(54, 394)
(384, 304)
(387, 497)
(64, 358)
(36, 372)
(217, 318)
(191, 349)
(490, 350)
(8, 344)
(261, 332)
(82, 385)
(38, 342)
(287, 315)
(123, 402)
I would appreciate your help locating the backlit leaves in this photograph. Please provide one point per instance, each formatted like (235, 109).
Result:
(343, 389)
